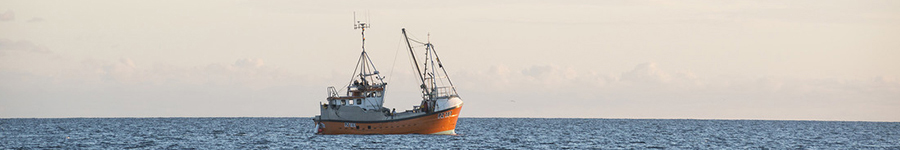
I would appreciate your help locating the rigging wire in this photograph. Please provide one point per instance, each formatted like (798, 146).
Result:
(414, 40)
(397, 51)
(440, 64)
(436, 76)
(356, 68)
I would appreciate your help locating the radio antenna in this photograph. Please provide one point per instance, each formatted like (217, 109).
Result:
(362, 26)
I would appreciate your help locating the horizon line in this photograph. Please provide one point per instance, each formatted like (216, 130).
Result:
(611, 118)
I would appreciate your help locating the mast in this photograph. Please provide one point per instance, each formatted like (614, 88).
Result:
(365, 69)
(413, 54)
(429, 60)
(362, 26)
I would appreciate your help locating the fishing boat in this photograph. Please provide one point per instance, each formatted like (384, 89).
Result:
(358, 109)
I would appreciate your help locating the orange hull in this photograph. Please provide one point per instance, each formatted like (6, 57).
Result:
(443, 122)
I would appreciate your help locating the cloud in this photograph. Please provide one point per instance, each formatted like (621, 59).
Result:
(650, 78)
(558, 78)
(886, 80)
(7, 45)
(35, 20)
(243, 73)
(123, 71)
(646, 73)
(131, 88)
(562, 91)
(536, 77)
(8, 16)
(650, 75)
(249, 62)
(249, 87)
(538, 71)
(549, 74)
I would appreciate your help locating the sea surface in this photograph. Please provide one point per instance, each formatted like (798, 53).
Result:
(473, 133)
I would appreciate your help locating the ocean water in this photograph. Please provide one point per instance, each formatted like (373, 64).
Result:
(473, 133)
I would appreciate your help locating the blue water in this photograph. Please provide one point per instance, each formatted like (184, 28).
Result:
(474, 133)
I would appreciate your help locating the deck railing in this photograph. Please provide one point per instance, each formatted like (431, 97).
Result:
(446, 91)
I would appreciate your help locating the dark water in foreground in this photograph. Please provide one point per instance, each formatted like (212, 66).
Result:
(475, 133)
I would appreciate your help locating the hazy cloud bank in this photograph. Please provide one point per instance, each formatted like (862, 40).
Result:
(126, 88)
(35, 82)
(8, 46)
(556, 91)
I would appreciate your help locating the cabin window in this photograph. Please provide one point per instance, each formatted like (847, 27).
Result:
(358, 102)
(343, 102)
(378, 94)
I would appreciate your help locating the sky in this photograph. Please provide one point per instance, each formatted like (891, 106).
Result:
(707, 59)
